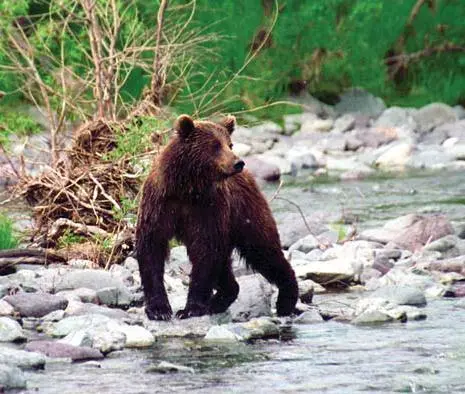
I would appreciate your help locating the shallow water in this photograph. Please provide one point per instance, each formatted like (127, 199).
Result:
(330, 357)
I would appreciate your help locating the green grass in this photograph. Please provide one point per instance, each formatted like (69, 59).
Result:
(8, 240)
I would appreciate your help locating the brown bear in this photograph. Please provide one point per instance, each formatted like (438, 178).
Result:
(198, 193)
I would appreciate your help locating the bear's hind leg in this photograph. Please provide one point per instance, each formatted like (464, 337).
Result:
(227, 290)
(272, 264)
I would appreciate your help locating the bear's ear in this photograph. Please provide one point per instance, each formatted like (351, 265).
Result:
(184, 125)
(229, 122)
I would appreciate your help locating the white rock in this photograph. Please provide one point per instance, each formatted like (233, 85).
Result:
(241, 149)
(396, 156)
(11, 377)
(21, 358)
(285, 167)
(136, 336)
(10, 330)
(6, 309)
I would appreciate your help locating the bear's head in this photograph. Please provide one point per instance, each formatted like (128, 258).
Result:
(206, 148)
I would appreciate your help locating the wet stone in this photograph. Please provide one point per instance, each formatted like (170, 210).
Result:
(10, 330)
(36, 304)
(62, 350)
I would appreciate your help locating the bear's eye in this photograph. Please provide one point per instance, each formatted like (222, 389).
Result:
(231, 146)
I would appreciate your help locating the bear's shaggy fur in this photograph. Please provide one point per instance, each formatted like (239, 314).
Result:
(198, 193)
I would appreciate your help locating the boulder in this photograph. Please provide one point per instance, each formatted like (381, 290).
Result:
(357, 100)
(56, 349)
(10, 330)
(433, 115)
(11, 377)
(36, 304)
(254, 299)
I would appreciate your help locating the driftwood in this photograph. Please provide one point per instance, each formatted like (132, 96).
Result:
(9, 258)
(85, 193)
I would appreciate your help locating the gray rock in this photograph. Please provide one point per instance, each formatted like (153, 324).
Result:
(459, 111)
(166, 367)
(75, 323)
(81, 264)
(11, 378)
(54, 316)
(266, 127)
(343, 123)
(91, 279)
(433, 115)
(337, 272)
(301, 157)
(307, 289)
(309, 317)
(131, 264)
(370, 137)
(261, 328)
(36, 304)
(344, 164)
(122, 273)
(305, 244)
(55, 349)
(316, 124)
(82, 294)
(399, 276)
(261, 169)
(443, 244)
(80, 309)
(254, 298)
(187, 328)
(104, 338)
(453, 129)
(359, 101)
(115, 296)
(21, 358)
(430, 158)
(400, 295)
(10, 330)
(285, 166)
(372, 318)
(395, 117)
(291, 228)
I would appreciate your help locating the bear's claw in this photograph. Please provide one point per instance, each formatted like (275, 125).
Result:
(159, 312)
(192, 311)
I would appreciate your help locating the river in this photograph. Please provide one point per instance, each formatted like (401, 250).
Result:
(329, 357)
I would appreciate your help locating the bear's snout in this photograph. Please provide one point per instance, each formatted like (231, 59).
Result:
(239, 165)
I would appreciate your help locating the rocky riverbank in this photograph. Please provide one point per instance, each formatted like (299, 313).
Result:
(72, 313)
(355, 138)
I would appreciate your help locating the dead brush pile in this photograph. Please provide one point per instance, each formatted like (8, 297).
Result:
(84, 199)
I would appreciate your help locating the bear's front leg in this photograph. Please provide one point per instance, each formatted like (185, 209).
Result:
(203, 277)
(151, 256)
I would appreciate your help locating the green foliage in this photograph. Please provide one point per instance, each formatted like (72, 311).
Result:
(136, 139)
(15, 122)
(128, 210)
(69, 238)
(7, 238)
(329, 44)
